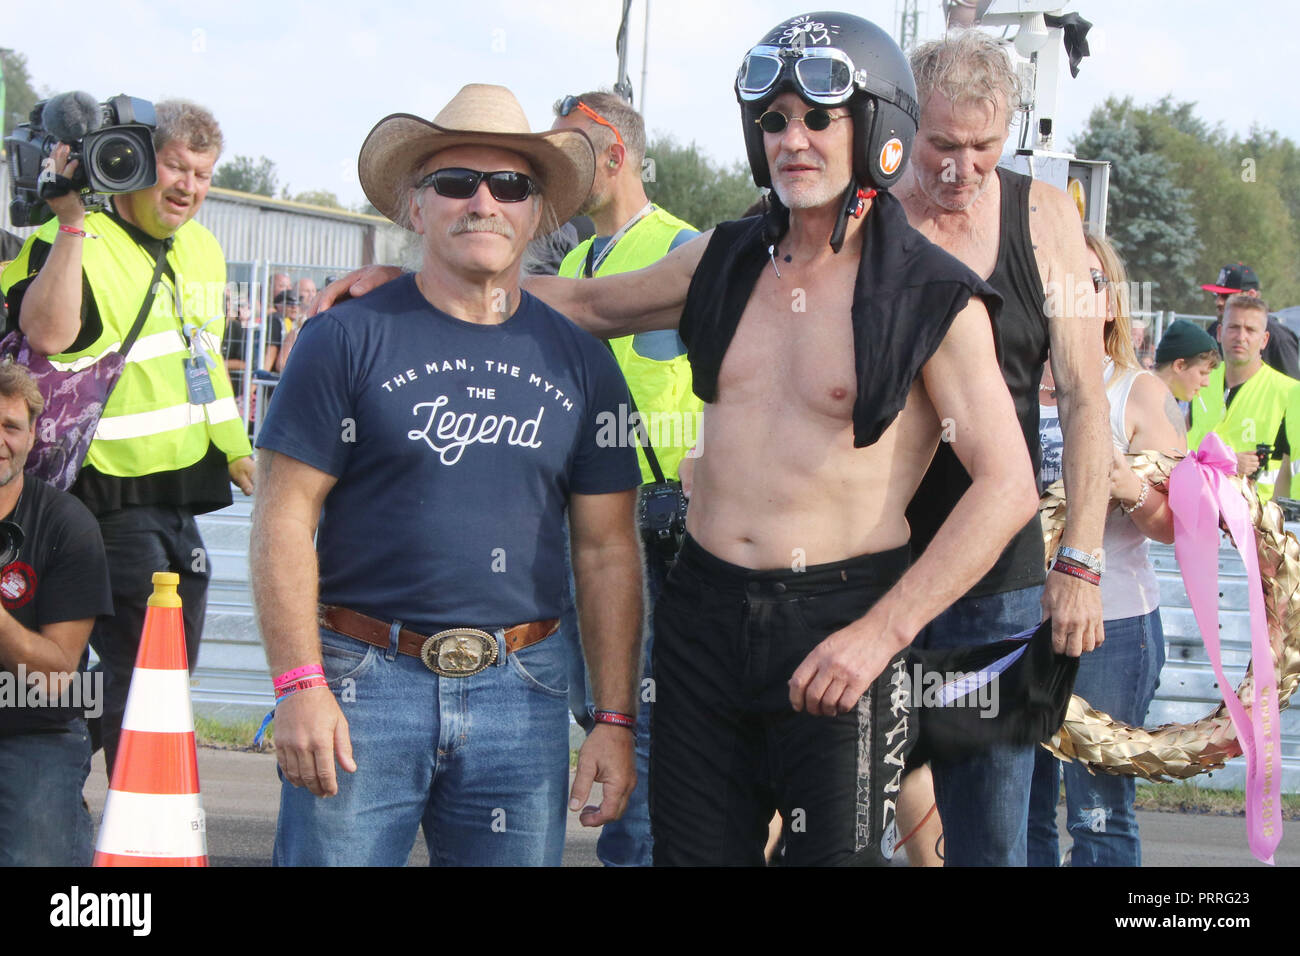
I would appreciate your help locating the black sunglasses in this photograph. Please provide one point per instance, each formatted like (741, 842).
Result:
(816, 119)
(456, 183)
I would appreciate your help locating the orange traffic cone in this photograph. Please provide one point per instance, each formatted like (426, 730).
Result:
(154, 814)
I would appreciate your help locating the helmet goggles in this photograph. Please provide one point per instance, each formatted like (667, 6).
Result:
(822, 75)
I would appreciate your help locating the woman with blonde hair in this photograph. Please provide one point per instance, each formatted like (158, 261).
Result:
(1121, 675)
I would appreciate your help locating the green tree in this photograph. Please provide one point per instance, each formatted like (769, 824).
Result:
(247, 175)
(20, 93)
(1149, 216)
(691, 186)
(319, 197)
(1171, 170)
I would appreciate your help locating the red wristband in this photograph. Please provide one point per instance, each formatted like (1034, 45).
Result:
(1083, 574)
(74, 231)
(614, 717)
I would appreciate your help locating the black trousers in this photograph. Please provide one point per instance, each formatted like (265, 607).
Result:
(140, 540)
(728, 747)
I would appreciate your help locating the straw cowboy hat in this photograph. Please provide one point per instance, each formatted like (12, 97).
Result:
(479, 115)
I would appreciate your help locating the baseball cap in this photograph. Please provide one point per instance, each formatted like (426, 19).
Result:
(1182, 340)
(1234, 278)
(286, 298)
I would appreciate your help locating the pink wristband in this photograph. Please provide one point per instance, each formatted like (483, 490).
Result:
(292, 688)
(288, 677)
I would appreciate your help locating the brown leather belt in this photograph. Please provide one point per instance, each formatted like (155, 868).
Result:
(456, 652)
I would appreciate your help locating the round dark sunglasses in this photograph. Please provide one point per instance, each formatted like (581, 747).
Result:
(456, 183)
(816, 119)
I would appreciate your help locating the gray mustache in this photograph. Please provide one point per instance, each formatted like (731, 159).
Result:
(471, 223)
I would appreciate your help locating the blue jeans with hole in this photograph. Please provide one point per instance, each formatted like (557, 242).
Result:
(481, 762)
(1119, 678)
(983, 799)
(43, 816)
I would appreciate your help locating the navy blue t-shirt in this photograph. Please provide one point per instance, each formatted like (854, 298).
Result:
(456, 447)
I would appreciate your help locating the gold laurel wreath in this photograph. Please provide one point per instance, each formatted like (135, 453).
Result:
(1178, 751)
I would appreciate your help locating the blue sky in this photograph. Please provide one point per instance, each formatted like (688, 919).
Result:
(303, 82)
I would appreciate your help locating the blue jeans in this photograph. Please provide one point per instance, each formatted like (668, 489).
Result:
(1119, 678)
(481, 762)
(43, 817)
(983, 799)
(625, 841)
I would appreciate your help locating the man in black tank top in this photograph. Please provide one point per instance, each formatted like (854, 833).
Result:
(1016, 231)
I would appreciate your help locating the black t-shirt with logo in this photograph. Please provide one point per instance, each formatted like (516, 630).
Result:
(60, 574)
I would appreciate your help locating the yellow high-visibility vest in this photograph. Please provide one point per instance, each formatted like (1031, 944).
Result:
(1253, 418)
(149, 424)
(661, 388)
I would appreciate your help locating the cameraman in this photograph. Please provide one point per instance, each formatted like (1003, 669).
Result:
(171, 438)
(51, 594)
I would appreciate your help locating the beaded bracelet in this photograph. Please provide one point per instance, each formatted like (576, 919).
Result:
(1141, 500)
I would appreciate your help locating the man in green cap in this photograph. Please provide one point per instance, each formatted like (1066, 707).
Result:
(1185, 357)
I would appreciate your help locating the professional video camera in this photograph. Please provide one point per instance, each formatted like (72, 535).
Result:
(112, 142)
(11, 542)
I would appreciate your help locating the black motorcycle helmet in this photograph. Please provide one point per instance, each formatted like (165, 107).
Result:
(834, 59)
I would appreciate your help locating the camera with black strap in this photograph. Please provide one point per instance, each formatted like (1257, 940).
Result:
(661, 505)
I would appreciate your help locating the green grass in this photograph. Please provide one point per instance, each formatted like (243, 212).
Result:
(1184, 796)
(237, 735)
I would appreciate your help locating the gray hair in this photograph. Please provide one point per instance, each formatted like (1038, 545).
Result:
(966, 66)
(620, 114)
(192, 125)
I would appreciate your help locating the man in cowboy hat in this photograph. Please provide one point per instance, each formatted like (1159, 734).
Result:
(443, 425)
(834, 348)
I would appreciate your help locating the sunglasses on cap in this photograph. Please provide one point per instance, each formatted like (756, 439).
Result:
(457, 183)
(816, 119)
(571, 103)
(820, 75)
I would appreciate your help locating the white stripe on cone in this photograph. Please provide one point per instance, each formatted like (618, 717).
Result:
(153, 824)
(159, 701)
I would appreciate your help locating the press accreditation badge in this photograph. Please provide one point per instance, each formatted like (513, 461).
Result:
(198, 381)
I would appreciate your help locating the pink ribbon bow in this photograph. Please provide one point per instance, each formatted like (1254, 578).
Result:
(1199, 492)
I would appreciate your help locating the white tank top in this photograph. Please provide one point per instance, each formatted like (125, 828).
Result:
(1128, 585)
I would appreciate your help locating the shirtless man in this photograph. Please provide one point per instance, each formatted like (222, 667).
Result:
(792, 595)
(1026, 239)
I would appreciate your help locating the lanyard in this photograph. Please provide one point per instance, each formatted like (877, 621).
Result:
(613, 240)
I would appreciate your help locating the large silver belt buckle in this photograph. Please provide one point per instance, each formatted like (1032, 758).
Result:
(459, 652)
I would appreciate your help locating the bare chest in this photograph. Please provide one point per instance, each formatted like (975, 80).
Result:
(793, 348)
(972, 239)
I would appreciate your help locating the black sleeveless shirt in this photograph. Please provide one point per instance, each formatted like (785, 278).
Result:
(1021, 333)
(907, 293)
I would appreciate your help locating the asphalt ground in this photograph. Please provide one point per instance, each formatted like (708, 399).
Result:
(241, 795)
